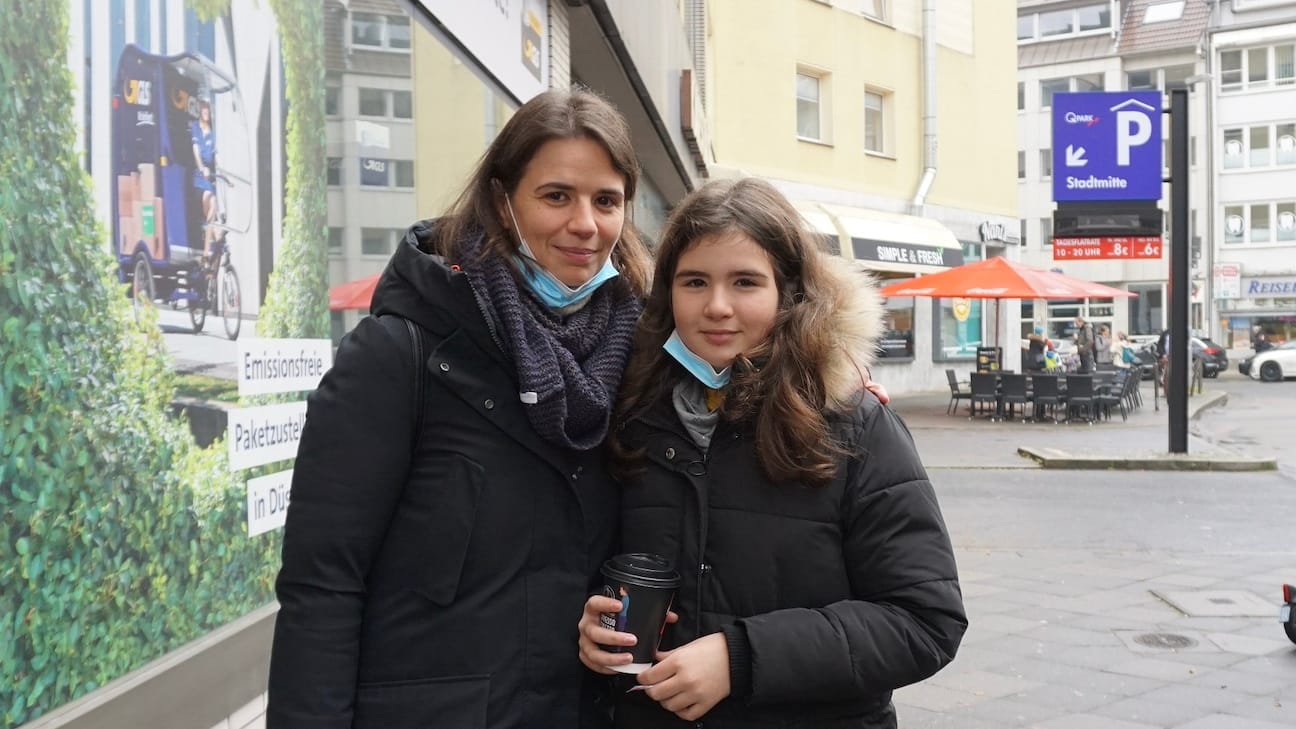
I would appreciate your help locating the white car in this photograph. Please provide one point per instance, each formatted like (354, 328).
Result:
(1275, 364)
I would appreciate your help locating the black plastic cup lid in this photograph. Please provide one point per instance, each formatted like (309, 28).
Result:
(643, 569)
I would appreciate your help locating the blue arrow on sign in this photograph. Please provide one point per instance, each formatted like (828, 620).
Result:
(1107, 146)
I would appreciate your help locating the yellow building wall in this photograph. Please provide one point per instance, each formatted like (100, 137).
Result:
(452, 127)
(756, 46)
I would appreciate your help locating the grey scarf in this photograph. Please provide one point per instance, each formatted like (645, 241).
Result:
(569, 366)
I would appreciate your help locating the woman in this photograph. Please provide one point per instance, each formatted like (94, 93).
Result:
(1037, 347)
(204, 174)
(817, 571)
(436, 552)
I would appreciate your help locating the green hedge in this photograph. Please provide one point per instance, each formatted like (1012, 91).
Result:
(119, 538)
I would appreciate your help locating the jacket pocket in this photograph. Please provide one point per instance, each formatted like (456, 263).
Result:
(453, 701)
(443, 507)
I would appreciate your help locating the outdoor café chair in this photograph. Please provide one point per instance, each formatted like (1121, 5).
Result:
(1080, 397)
(1013, 394)
(956, 392)
(1045, 394)
(984, 391)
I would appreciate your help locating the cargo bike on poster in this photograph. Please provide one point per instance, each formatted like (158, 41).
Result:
(176, 120)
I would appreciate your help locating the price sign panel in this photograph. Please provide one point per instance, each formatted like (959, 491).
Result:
(1081, 249)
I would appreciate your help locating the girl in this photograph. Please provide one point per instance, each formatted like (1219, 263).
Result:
(817, 571)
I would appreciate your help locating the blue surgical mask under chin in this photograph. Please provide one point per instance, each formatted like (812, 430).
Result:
(698, 367)
(554, 293)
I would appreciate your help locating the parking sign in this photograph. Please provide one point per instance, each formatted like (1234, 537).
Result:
(1107, 146)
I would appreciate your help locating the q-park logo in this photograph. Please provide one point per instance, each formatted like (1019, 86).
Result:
(1085, 119)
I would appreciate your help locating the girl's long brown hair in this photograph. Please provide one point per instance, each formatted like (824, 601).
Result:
(554, 114)
(779, 385)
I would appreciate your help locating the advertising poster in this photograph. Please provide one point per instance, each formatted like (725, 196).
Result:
(164, 205)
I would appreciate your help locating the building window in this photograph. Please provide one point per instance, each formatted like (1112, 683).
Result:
(1046, 163)
(1286, 222)
(1141, 80)
(332, 96)
(1260, 222)
(1234, 224)
(373, 102)
(1026, 27)
(375, 241)
(808, 114)
(1021, 165)
(1088, 82)
(1259, 156)
(1051, 86)
(875, 9)
(1175, 77)
(334, 241)
(1046, 231)
(402, 105)
(1258, 67)
(1088, 19)
(958, 329)
(874, 126)
(404, 173)
(334, 171)
(1233, 148)
(1145, 310)
(370, 30)
(1021, 96)
(1022, 224)
(1163, 12)
(897, 340)
(1286, 143)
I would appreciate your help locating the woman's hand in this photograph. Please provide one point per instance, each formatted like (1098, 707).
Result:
(593, 636)
(691, 679)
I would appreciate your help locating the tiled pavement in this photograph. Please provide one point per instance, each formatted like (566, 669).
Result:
(1086, 639)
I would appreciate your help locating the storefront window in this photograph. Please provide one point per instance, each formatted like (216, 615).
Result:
(1145, 315)
(957, 322)
(897, 340)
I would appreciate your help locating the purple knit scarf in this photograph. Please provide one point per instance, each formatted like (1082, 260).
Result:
(569, 367)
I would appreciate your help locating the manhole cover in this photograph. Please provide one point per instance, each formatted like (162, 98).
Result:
(1165, 641)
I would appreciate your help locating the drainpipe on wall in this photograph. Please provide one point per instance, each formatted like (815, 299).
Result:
(929, 105)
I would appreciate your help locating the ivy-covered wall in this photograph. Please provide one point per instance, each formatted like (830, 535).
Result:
(120, 538)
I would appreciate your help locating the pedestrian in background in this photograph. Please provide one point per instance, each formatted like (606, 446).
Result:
(438, 551)
(1103, 346)
(1084, 341)
(817, 571)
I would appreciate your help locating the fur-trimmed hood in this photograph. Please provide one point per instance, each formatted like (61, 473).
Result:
(857, 324)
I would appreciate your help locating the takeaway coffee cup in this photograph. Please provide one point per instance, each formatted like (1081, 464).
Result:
(645, 584)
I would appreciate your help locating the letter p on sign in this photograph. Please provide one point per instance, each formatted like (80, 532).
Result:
(1132, 129)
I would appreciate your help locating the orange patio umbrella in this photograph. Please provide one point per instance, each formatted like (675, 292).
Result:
(353, 294)
(1000, 278)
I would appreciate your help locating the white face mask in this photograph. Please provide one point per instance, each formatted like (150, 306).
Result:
(554, 293)
(698, 367)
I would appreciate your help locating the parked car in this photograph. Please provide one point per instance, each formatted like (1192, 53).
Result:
(1244, 366)
(1275, 365)
(1214, 358)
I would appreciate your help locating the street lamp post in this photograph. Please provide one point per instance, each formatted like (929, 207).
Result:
(1209, 315)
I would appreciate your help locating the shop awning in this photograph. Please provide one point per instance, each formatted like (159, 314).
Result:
(886, 242)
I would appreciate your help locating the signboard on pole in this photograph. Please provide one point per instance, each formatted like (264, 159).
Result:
(1107, 146)
(1135, 246)
(1228, 280)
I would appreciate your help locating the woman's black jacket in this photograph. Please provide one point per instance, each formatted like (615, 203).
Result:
(829, 597)
(437, 582)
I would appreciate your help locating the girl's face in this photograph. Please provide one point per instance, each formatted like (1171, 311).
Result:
(724, 297)
(570, 208)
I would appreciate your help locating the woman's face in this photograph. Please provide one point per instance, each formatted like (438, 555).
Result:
(724, 297)
(570, 208)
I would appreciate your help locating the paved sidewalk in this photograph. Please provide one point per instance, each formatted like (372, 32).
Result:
(1140, 443)
(1130, 600)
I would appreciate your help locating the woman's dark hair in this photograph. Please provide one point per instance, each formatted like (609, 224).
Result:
(554, 114)
(781, 384)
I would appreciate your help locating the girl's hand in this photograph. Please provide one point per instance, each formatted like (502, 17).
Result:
(691, 679)
(593, 636)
